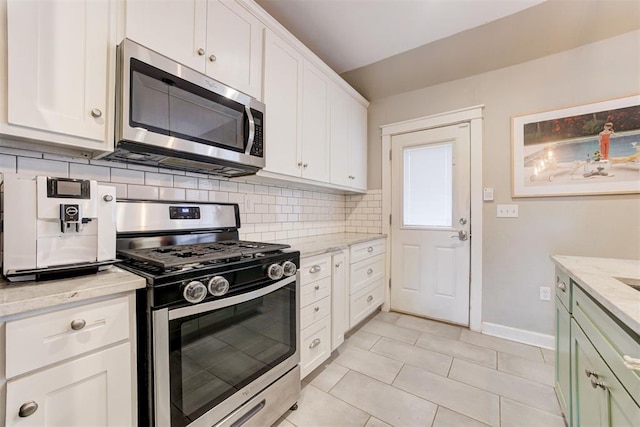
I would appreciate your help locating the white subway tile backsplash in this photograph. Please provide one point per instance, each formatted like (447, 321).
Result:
(229, 186)
(85, 171)
(236, 198)
(197, 195)
(246, 188)
(218, 196)
(207, 184)
(142, 192)
(159, 179)
(261, 189)
(34, 166)
(127, 176)
(121, 189)
(187, 182)
(166, 193)
(142, 168)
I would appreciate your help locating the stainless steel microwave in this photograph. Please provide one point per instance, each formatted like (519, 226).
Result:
(174, 117)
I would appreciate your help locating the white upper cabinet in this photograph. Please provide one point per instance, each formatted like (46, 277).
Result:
(219, 38)
(357, 145)
(60, 72)
(315, 124)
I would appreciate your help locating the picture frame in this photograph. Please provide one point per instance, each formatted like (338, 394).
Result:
(570, 151)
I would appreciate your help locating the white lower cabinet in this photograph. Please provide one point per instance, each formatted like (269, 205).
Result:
(315, 312)
(339, 298)
(367, 278)
(72, 366)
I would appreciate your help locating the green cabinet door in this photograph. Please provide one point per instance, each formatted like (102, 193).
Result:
(563, 359)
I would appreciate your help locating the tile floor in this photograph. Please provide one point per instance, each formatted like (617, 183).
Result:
(399, 370)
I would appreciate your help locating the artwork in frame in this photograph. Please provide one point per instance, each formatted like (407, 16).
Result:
(583, 150)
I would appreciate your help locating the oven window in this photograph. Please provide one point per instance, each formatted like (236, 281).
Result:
(217, 353)
(171, 106)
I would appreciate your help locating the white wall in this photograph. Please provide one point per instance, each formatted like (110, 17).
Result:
(516, 251)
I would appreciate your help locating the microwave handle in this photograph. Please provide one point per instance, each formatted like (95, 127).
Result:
(252, 130)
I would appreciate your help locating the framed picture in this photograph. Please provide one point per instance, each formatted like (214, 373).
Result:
(583, 150)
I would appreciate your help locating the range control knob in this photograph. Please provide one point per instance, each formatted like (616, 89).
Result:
(194, 292)
(275, 272)
(289, 268)
(218, 286)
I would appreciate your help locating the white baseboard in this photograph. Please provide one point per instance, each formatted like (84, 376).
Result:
(519, 335)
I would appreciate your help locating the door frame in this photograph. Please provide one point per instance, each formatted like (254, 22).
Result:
(473, 116)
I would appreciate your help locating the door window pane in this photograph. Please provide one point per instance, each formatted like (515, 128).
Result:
(428, 185)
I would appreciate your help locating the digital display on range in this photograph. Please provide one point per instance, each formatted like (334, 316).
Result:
(184, 212)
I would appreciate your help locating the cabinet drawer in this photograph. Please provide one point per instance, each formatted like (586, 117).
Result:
(364, 273)
(367, 250)
(365, 302)
(609, 339)
(563, 288)
(314, 312)
(315, 291)
(315, 342)
(314, 268)
(40, 340)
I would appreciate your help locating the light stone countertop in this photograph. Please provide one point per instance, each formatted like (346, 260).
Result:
(317, 245)
(597, 276)
(18, 298)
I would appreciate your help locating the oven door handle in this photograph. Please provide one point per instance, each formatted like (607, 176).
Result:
(179, 313)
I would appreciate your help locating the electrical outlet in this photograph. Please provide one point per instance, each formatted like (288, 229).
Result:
(507, 211)
(545, 293)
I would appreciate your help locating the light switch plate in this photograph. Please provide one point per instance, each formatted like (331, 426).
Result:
(507, 211)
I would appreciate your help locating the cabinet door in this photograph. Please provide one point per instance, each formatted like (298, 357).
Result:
(94, 390)
(339, 103)
(60, 63)
(340, 300)
(358, 145)
(234, 46)
(315, 124)
(563, 359)
(587, 402)
(174, 28)
(282, 92)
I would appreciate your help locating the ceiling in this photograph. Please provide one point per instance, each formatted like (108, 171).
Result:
(385, 47)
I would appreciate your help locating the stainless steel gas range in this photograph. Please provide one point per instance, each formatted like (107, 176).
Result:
(218, 323)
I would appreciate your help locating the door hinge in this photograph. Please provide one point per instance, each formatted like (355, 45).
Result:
(389, 154)
(389, 219)
(389, 283)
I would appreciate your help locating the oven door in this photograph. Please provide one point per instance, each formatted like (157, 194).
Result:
(210, 358)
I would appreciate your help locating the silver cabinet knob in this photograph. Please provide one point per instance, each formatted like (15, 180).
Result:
(304, 165)
(316, 287)
(589, 373)
(299, 163)
(212, 58)
(107, 198)
(595, 384)
(316, 309)
(200, 51)
(369, 298)
(338, 264)
(78, 324)
(27, 409)
(562, 286)
(370, 271)
(315, 269)
(370, 249)
(96, 112)
(315, 343)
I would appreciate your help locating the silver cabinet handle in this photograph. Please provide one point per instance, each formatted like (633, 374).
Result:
(200, 52)
(78, 324)
(370, 298)
(631, 363)
(316, 287)
(316, 309)
(27, 409)
(370, 271)
(595, 384)
(589, 373)
(314, 343)
(315, 269)
(212, 58)
(562, 286)
(96, 112)
(370, 249)
(339, 264)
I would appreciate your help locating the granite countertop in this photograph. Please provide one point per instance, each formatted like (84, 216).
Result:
(597, 276)
(316, 245)
(18, 298)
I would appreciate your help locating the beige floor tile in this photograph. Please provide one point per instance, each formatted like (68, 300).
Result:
(374, 422)
(457, 349)
(549, 356)
(539, 372)
(317, 408)
(462, 398)
(448, 418)
(376, 366)
(412, 355)
(514, 414)
(388, 330)
(503, 345)
(326, 376)
(430, 326)
(362, 339)
(389, 404)
(519, 389)
(387, 316)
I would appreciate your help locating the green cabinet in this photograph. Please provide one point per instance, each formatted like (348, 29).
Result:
(563, 359)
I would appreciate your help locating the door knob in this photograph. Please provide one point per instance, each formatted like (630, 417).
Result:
(462, 235)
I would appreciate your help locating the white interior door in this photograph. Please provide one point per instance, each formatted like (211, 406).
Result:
(430, 247)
